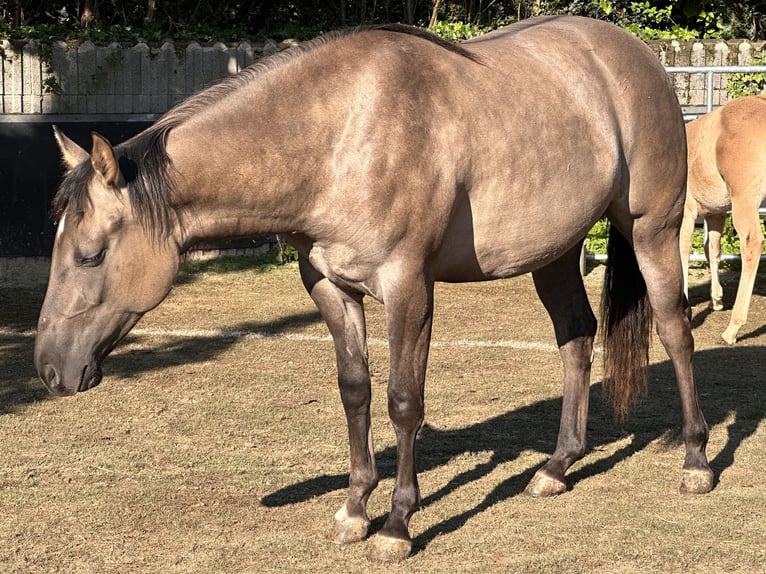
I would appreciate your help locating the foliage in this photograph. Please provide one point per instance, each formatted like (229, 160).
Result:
(278, 254)
(123, 20)
(457, 31)
(285, 253)
(653, 23)
(748, 84)
(652, 20)
(679, 19)
(598, 237)
(596, 240)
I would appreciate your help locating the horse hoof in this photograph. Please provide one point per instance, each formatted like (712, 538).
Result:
(717, 305)
(729, 336)
(543, 485)
(349, 529)
(697, 481)
(387, 550)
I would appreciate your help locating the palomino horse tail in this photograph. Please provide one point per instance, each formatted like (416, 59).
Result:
(626, 326)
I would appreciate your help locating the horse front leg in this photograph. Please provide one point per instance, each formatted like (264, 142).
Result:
(344, 314)
(560, 288)
(409, 314)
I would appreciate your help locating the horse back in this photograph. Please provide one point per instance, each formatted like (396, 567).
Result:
(553, 152)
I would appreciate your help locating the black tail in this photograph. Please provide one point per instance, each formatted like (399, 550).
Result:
(626, 324)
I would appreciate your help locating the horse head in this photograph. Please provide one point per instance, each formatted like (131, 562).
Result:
(107, 268)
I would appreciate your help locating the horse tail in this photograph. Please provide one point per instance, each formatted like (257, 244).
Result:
(626, 326)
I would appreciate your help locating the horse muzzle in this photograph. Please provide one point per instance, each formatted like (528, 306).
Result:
(68, 353)
(60, 385)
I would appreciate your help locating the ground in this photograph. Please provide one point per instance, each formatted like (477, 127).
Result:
(216, 442)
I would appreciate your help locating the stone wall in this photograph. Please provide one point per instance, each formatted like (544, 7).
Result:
(143, 79)
(691, 88)
(90, 79)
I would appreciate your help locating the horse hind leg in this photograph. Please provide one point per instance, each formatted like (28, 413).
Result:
(656, 248)
(685, 237)
(560, 287)
(747, 222)
(344, 315)
(714, 224)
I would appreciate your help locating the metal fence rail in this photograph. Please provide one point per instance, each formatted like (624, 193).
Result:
(710, 72)
(695, 256)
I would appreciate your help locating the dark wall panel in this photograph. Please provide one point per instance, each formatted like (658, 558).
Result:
(30, 171)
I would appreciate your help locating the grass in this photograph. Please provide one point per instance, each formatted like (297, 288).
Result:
(596, 242)
(203, 453)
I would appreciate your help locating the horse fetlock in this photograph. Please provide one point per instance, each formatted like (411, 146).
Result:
(544, 485)
(730, 334)
(697, 481)
(348, 529)
(388, 549)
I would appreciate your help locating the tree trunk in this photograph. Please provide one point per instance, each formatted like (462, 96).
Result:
(151, 8)
(411, 5)
(434, 14)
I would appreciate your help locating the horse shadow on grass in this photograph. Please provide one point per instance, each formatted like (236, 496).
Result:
(729, 383)
(19, 384)
(19, 308)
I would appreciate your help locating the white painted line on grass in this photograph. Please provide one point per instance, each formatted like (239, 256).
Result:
(244, 334)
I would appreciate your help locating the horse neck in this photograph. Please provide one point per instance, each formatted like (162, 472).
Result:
(246, 169)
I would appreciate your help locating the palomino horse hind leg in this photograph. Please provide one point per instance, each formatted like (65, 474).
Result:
(656, 253)
(714, 224)
(560, 288)
(747, 222)
(344, 314)
(409, 316)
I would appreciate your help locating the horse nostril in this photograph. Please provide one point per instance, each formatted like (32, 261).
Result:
(50, 376)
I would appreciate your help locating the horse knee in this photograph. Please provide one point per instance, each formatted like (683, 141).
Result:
(405, 411)
(752, 247)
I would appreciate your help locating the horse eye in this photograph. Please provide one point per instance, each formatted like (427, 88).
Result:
(93, 260)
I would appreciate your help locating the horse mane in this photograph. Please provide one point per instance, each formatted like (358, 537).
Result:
(144, 162)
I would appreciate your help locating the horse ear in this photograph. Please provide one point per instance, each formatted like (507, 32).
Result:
(72, 154)
(104, 161)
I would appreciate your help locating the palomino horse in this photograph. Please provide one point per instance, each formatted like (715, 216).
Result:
(392, 160)
(727, 171)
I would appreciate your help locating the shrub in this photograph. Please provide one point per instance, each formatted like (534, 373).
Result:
(739, 85)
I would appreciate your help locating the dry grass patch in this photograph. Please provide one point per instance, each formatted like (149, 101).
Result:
(226, 453)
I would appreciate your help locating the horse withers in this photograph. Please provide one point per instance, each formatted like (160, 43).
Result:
(393, 159)
(727, 171)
